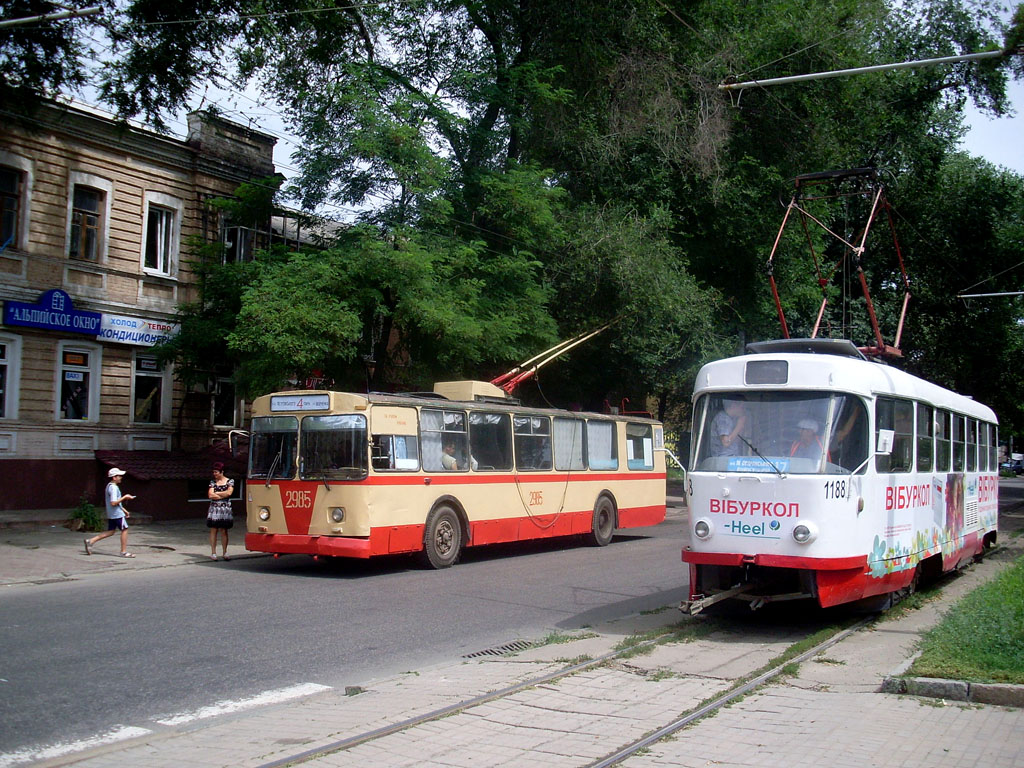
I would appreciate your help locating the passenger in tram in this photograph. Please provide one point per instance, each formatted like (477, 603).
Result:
(726, 428)
(808, 445)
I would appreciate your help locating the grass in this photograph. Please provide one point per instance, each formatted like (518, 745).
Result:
(981, 638)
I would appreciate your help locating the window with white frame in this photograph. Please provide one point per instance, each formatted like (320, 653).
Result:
(10, 206)
(162, 235)
(16, 176)
(78, 376)
(88, 216)
(10, 375)
(151, 390)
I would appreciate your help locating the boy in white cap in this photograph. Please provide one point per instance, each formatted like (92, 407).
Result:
(116, 514)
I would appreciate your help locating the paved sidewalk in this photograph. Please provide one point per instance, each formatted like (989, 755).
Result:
(829, 713)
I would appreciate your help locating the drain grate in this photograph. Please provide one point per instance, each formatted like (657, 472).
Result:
(514, 647)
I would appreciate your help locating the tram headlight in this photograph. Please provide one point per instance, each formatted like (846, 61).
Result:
(264, 513)
(337, 514)
(703, 529)
(805, 533)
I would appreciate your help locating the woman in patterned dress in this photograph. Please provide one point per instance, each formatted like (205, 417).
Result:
(219, 518)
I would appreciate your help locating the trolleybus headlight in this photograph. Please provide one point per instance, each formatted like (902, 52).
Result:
(805, 533)
(703, 529)
(337, 514)
(264, 513)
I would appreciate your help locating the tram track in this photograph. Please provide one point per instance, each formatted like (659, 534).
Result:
(738, 689)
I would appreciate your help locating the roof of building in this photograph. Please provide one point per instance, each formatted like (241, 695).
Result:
(174, 465)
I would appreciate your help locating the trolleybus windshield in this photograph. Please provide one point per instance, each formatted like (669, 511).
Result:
(333, 447)
(273, 442)
(780, 432)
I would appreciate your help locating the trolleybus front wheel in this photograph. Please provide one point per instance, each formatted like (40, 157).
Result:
(442, 538)
(603, 524)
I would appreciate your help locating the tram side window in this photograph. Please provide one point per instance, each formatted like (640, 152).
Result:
(943, 441)
(972, 445)
(849, 444)
(443, 440)
(569, 444)
(925, 436)
(959, 443)
(490, 441)
(983, 446)
(639, 446)
(602, 452)
(272, 446)
(897, 415)
(532, 441)
(993, 448)
(333, 447)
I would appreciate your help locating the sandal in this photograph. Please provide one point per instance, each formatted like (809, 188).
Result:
(88, 549)
(127, 554)
(225, 558)
(213, 556)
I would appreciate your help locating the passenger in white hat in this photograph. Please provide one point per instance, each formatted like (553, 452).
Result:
(116, 513)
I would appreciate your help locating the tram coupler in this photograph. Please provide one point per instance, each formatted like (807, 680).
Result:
(699, 603)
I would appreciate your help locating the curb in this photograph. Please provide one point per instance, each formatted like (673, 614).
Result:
(1002, 694)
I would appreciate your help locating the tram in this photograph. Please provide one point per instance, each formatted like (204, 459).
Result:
(818, 473)
(361, 475)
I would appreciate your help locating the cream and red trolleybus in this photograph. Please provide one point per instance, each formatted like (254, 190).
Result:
(818, 473)
(350, 475)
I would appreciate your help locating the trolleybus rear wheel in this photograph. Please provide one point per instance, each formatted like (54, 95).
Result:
(442, 539)
(603, 524)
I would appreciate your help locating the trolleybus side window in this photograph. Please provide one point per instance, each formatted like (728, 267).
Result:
(333, 447)
(925, 436)
(273, 446)
(639, 446)
(394, 445)
(959, 443)
(490, 441)
(897, 415)
(569, 444)
(533, 442)
(443, 434)
(943, 441)
(602, 451)
(972, 445)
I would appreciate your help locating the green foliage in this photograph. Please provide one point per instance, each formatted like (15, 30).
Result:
(89, 514)
(981, 638)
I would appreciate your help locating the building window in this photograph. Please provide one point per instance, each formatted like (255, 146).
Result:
(79, 382)
(150, 388)
(10, 366)
(161, 234)
(225, 410)
(10, 206)
(86, 223)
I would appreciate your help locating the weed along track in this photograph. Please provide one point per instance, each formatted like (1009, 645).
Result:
(586, 708)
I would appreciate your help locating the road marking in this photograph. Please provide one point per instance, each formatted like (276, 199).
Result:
(66, 748)
(259, 700)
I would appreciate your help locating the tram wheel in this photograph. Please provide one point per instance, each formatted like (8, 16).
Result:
(603, 523)
(442, 538)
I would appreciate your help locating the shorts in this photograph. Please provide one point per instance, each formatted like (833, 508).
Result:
(116, 524)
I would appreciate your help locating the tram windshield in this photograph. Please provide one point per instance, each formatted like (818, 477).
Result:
(273, 443)
(780, 432)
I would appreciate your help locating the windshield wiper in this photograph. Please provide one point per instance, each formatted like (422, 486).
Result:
(760, 455)
(273, 465)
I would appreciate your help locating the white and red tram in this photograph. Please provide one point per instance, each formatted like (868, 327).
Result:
(817, 473)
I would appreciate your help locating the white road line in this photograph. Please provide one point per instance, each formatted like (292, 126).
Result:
(66, 748)
(259, 700)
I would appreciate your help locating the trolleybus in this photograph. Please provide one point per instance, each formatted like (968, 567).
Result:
(351, 475)
(818, 473)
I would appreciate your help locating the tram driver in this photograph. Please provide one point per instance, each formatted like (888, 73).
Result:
(808, 444)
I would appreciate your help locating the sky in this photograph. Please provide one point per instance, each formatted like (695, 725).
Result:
(999, 140)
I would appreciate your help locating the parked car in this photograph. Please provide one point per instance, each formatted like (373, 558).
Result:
(1016, 466)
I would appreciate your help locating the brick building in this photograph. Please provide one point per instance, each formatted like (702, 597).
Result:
(93, 263)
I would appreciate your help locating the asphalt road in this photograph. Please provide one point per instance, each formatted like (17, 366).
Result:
(83, 658)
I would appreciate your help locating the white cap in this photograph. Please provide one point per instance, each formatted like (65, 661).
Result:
(810, 424)
(115, 472)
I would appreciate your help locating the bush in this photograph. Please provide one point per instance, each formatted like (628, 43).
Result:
(87, 515)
